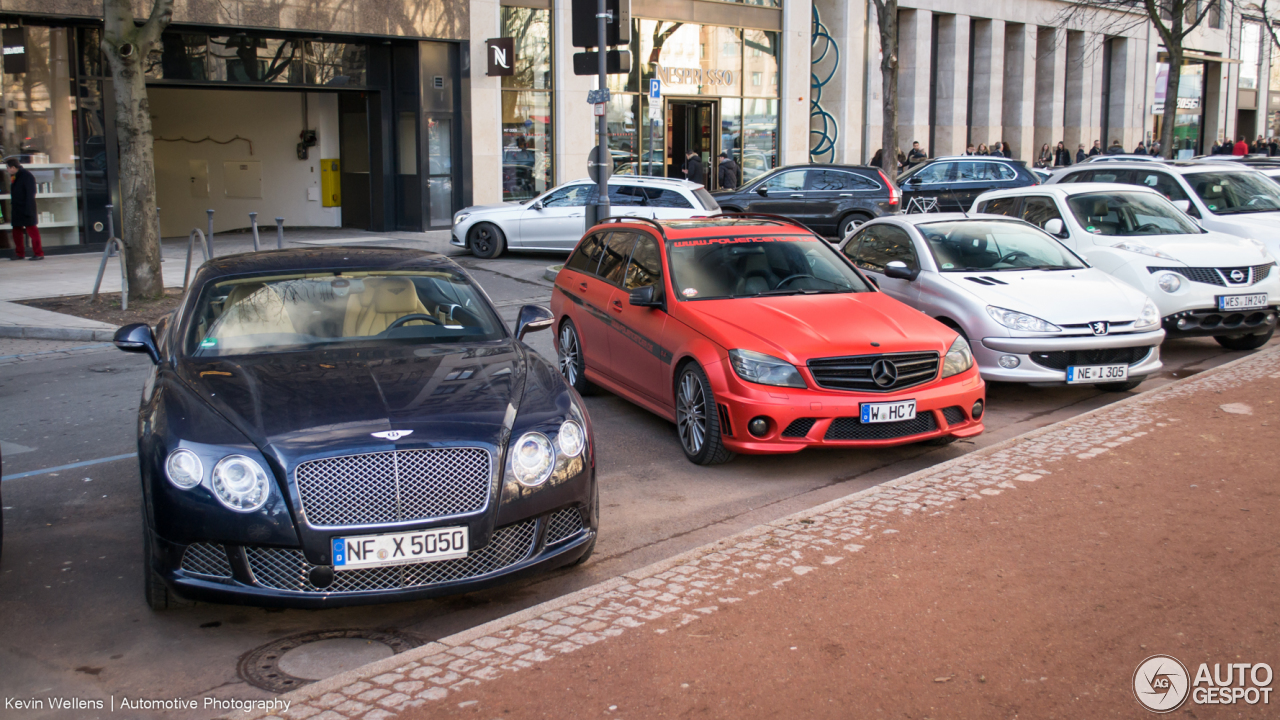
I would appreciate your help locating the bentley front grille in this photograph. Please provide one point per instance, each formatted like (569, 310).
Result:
(206, 559)
(394, 486)
(564, 524)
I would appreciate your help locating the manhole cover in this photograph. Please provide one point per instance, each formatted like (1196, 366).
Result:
(292, 662)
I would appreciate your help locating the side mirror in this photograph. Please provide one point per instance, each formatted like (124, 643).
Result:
(899, 270)
(762, 191)
(1053, 226)
(533, 318)
(913, 180)
(645, 297)
(1183, 205)
(137, 338)
(537, 205)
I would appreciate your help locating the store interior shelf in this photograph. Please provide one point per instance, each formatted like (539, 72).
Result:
(68, 223)
(39, 196)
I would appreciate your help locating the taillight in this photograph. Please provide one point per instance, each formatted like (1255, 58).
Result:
(894, 193)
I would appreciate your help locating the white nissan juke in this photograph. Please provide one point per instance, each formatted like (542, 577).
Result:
(1204, 283)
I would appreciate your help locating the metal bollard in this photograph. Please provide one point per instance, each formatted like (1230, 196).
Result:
(253, 221)
(279, 233)
(111, 230)
(191, 246)
(159, 235)
(208, 236)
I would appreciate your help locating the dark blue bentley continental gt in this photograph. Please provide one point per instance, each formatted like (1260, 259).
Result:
(352, 425)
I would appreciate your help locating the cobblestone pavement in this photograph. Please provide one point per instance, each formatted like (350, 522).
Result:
(15, 350)
(699, 583)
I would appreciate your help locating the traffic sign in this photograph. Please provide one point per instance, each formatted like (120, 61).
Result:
(655, 89)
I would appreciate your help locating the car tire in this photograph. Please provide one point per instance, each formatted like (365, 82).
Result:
(848, 223)
(698, 418)
(1120, 386)
(486, 241)
(570, 358)
(1244, 342)
(158, 595)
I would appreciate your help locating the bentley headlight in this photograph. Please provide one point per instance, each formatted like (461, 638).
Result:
(184, 468)
(1021, 321)
(764, 369)
(240, 483)
(1150, 316)
(571, 439)
(1142, 249)
(533, 459)
(959, 358)
(1169, 282)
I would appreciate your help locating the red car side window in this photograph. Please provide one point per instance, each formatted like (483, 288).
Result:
(587, 257)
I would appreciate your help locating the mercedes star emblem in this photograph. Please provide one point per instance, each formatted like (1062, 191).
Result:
(392, 435)
(884, 373)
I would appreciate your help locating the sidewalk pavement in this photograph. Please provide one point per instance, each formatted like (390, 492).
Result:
(1027, 579)
(74, 274)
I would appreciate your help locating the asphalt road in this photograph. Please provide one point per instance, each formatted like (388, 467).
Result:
(72, 619)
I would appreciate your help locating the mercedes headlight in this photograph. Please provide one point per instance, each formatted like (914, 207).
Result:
(571, 439)
(533, 459)
(1150, 316)
(457, 219)
(1169, 282)
(765, 369)
(1021, 321)
(1137, 247)
(240, 483)
(184, 468)
(959, 358)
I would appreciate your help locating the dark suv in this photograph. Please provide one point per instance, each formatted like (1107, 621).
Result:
(829, 199)
(950, 184)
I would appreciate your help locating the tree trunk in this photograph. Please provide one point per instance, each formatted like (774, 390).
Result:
(888, 20)
(125, 46)
(1171, 103)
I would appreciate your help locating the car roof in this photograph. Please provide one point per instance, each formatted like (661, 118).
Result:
(643, 180)
(1067, 189)
(1181, 167)
(992, 158)
(323, 258)
(925, 218)
(712, 226)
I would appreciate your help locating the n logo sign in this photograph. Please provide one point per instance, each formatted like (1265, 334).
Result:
(502, 56)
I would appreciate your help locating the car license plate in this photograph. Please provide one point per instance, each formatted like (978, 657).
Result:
(888, 412)
(1242, 302)
(366, 551)
(1097, 373)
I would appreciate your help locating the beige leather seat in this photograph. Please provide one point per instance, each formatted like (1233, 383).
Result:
(389, 300)
(261, 311)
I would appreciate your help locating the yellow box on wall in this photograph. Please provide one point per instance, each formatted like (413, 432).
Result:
(331, 183)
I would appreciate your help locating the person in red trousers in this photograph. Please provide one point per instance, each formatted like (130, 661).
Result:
(22, 210)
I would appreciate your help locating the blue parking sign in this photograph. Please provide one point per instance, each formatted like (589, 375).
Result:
(655, 89)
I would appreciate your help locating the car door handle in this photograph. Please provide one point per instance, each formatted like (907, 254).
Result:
(616, 306)
(796, 195)
(846, 194)
(582, 287)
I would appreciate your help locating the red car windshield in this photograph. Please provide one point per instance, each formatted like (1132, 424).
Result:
(756, 266)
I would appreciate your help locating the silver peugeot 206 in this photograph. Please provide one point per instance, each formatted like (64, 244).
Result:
(1032, 310)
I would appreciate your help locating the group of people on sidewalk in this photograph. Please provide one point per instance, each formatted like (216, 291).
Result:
(726, 173)
(1061, 155)
(1241, 147)
(22, 211)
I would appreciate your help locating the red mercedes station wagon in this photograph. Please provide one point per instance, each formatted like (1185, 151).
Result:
(754, 335)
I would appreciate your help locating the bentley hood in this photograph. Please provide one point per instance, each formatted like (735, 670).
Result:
(1062, 297)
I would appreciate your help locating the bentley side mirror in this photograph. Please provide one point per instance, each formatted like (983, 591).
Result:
(898, 269)
(533, 318)
(763, 191)
(1183, 205)
(137, 338)
(1053, 226)
(645, 297)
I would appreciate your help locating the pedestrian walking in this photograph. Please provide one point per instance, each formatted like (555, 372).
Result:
(877, 160)
(728, 172)
(1062, 156)
(1081, 155)
(916, 156)
(1155, 148)
(970, 151)
(1046, 157)
(1116, 148)
(1096, 149)
(22, 211)
(693, 168)
(1141, 149)
(982, 149)
(1006, 149)
(1241, 149)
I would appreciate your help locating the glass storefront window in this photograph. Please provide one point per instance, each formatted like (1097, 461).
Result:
(761, 63)
(244, 59)
(531, 29)
(1250, 54)
(335, 63)
(624, 134)
(440, 168)
(527, 126)
(178, 57)
(684, 65)
(652, 141)
(759, 137)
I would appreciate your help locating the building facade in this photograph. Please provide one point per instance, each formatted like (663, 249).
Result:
(381, 116)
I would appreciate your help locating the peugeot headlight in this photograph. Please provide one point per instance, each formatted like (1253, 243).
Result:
(571, 439)
(457, 219)
(533, 459)
(240, 483)
(184, 468)
(959, 358)
(765, 369)
(1137, 247)
(1150, 315)
(1021, 321)
(1169, 282)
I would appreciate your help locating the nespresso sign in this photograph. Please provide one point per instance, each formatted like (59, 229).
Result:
(694, 76)
(15, 50)
(502, 57)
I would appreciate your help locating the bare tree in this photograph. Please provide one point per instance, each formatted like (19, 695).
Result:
(887, 18)
(1173, 20)
(126, 45)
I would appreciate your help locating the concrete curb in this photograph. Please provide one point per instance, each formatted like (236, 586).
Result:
(550, 273)
(328, 685)
(54, 333)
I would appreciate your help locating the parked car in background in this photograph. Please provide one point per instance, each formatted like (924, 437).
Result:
(1125, 157)
(555, 220)
(339, 426)
(1203, 283)
(828, 199)
(950, 184)
(1224, 197)
(755, 335)
(1031, 309)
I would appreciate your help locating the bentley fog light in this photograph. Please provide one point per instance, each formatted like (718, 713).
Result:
(571, 438)
(184, 469)
(1150, 316)
(533, 459)
(1020, 321)
(240, 483)
(959, 358)
(1009, 362)
(764, 369)
(1169, 282)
